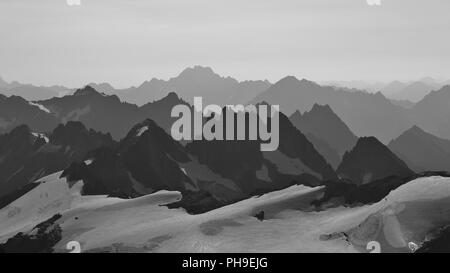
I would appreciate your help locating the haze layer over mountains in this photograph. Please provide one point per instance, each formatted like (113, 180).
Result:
(365, 114)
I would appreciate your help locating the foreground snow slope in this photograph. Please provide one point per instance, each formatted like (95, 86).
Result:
(408, 214)
(52, 196)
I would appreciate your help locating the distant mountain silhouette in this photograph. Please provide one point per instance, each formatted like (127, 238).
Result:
(436, 84)
(413, 92)
(410, 90)
(393, 88)
(30, 92)
(364, 113)
(422, 151)
(323, 123)
(406, 104)
(432, 113)
(357, 85)
(103, 87)
(196, 81)
(95, 110)
(106, 113)
(28, 156)
(15, 111)
(370, 160)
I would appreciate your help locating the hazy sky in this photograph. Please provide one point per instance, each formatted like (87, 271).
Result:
(125, 42)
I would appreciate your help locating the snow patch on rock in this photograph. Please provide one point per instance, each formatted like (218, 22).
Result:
(42, 107)
(142, 130)
(39, 135)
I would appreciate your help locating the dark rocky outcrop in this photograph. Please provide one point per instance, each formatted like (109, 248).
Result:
(370, 160)
(41, 239)
(27, 156)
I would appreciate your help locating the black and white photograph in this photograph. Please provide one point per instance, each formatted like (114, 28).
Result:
(232, 127)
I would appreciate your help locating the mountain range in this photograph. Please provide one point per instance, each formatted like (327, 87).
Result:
(197, 81)
(88, 159)
(105, 113)
(315, 143)
(15, 111)
(31, 92)
(27, 156)
(431, 113)
(412, 91)
(324, 124)
(208, 173)
(422, 151)
(364, 113)
(369, 161)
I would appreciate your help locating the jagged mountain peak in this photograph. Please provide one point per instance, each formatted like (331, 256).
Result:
(13, 99)
(73, 125)
(169, 101)
(198, 69)
(70, 129)
(380, 95)
(291, 82)
(443, 92)
(381, 162)
(142, 127)
(295, 115)
(149, 123)
(446, 87)
(308, 82)
(422, 150)
(86, 91)
(201, 73)
(288, 80)
(171, 97)
(414, 130)
(368, 140)
(103, 87)
(150, 134)
(322, 122)
(432, 112)
(197, 81)
(325, 108)
(153, 82)
(75, 134)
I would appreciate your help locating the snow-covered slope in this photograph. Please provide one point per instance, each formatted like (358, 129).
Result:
(407, 216)
(100, 224)
(52, 196)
